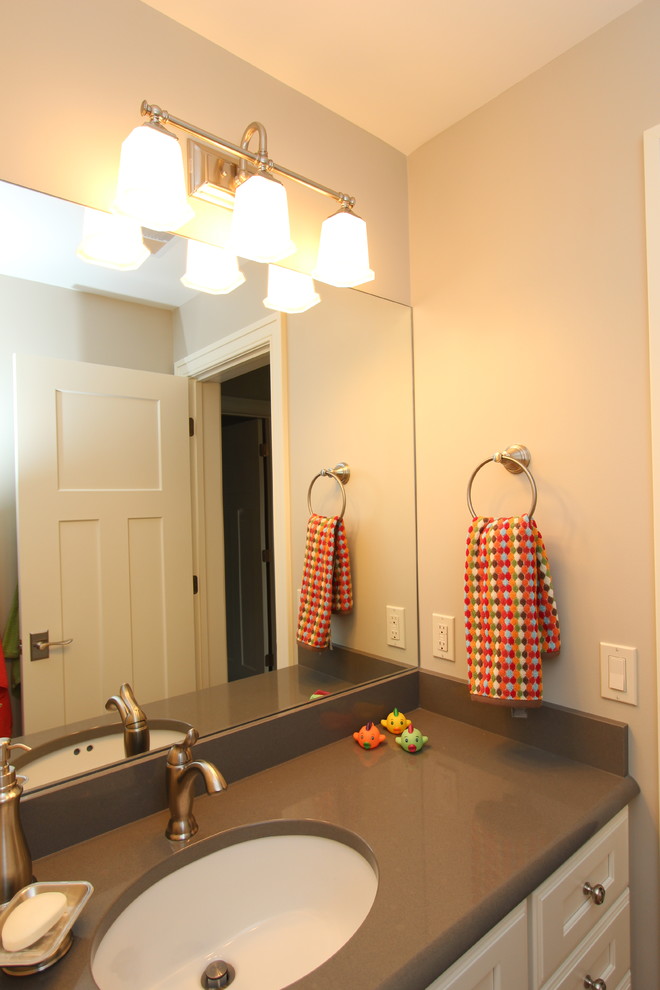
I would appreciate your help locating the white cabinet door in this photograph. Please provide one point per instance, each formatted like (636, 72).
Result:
(561, 914)
(604, 955)
(104, 535)
(497, 962)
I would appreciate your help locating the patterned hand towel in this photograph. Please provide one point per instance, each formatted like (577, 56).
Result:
(510, 611)
(326, 584)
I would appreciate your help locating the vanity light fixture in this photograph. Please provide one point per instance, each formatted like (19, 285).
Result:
(289, 291)
(151, 184)
(260, 224)
(211, 269)
(112, 241)
(254, 233)
(343, 258)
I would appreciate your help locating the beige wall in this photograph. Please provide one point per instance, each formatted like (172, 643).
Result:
(204, 319)
(77, 326)
(529, 294)
(77, 73)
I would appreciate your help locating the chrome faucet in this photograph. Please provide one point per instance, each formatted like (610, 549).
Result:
(136, 729)
(15, 859)
(181, 773)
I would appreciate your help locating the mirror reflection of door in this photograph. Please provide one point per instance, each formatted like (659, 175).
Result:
(104, 536)
(248, 524)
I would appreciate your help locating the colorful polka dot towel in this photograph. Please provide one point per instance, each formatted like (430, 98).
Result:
(326, 584)
(510, 611)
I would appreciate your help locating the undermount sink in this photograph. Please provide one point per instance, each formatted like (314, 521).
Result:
(87, 750)
(273, 901)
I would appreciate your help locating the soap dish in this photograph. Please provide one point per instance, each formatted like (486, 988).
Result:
(56, 942)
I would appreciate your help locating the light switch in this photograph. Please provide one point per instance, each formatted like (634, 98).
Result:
(616, 673)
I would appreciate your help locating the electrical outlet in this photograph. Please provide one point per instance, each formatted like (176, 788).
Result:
(396, 626)
(443, 637)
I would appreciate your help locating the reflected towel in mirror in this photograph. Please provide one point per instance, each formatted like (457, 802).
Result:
(326, 584)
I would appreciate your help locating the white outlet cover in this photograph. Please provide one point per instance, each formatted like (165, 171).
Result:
(396, 615)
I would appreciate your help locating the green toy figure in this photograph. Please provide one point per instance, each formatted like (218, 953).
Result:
(411, 740)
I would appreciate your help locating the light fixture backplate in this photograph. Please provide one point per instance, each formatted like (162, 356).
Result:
(212, 174)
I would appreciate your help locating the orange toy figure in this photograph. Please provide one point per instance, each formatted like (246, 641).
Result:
(368, 737)
(395, 722)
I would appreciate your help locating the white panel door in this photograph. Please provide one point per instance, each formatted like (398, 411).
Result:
(104, 536)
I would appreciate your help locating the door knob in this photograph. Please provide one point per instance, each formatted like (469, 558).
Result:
(40, 645)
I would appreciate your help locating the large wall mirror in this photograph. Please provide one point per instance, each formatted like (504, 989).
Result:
(345, 369)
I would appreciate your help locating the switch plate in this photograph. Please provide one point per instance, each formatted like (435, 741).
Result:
(618, 673)
(396, 626)
(443, 637)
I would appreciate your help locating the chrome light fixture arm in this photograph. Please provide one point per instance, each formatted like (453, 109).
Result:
(260, 160)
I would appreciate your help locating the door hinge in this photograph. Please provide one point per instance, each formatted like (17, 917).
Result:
(264, 450)
(191, 427)
(266, 556)
(269, 661)
(195, 584)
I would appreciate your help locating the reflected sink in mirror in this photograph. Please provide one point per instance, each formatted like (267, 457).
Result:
(91, 749)
(273, 901)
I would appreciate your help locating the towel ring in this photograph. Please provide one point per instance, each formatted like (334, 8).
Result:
(515, 459)
(341, 473)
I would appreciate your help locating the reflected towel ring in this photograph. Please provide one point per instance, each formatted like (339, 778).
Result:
(341, 473)
(515, 459)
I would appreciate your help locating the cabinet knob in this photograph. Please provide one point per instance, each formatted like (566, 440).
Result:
(597, 894)
(594, 984)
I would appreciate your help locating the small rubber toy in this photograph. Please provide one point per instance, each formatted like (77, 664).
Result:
(369, 737)
(411, 740)
(395, 722)
(318, 695)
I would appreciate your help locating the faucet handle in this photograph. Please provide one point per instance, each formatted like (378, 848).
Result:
(181, 753)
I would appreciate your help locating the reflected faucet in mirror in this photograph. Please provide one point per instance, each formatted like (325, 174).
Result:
(136, 728)
(181, 773)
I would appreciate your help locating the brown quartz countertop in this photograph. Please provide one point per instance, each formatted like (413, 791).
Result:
(461, 832)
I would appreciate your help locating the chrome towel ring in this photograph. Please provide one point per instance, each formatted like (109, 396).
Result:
(341, 473)
(515, 459)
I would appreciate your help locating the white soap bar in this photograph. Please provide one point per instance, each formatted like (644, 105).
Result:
(31, 919)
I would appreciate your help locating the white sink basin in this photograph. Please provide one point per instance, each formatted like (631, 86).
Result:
(273, 906)
(88, 750)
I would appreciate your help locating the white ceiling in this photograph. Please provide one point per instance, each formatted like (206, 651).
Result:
(401, 73)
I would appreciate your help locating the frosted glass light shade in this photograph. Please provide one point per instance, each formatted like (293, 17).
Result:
(112, 241)
(290, 292)
(260, 223)
(211, 269)
(343, 258)
(151, 184)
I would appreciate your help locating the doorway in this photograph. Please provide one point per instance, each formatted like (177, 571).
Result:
(262, 343)
(248, 524)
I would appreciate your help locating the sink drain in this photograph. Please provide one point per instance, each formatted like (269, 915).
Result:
(218, 974)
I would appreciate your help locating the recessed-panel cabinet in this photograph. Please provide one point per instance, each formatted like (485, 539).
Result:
(572, 932)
